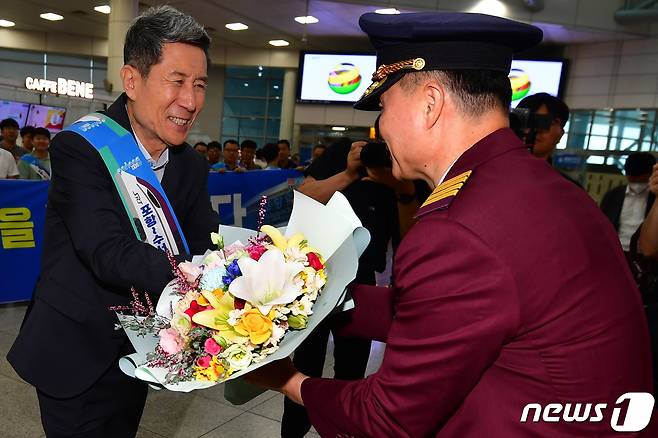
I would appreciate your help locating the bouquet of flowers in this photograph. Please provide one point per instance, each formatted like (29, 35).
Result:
(245, 304)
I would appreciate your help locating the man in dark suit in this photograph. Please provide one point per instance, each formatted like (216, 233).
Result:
(67, 347)
(626, 206)
(510, 290)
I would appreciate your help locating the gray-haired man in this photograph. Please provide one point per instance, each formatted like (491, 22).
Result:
(95, 248)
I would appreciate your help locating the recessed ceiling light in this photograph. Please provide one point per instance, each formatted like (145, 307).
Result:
(490, 7)
(51, 17)
(103, 9)
(246, 84)
(7, 23)
(308, 19)
(237, 26)
(279, 43)
(387, 11)
(276, 87)
(338, 128)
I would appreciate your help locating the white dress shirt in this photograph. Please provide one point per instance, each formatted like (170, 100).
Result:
(632, 214)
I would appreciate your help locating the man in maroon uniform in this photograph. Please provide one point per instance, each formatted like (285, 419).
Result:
(511, 289)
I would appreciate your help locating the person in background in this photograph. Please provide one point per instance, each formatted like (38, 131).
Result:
(297, 160)
(202, 148)
(27, 133)
(36, 165)
(231, 154)
(547, 139)
(9, 132)
(318, 150)
(248, 154)
(259, 159)
(214, 153)
(8, 168)
(271, 156)
(627, 205)
(284, 161)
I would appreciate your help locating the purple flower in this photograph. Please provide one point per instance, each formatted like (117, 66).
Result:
(234, 269)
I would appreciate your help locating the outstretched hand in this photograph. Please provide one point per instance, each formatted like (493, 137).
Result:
(281, 376)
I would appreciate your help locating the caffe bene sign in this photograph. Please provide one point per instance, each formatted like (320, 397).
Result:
(63, 87)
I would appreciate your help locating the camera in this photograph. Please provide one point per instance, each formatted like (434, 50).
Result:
(376, 154)
(525, 124)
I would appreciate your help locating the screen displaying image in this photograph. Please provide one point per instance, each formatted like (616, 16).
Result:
(329, 78)
(532, 77)
(14, 110)
(335, 77)
(49, 117)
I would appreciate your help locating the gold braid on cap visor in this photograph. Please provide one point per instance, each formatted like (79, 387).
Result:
(384, 70)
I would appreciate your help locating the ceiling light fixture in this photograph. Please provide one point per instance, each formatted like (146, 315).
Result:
(51, 16)
(237, 26)
(103, 9)
(338, 128)
(490, 7)
(7, 23)
(387, 11)
(279, 43)
(307, 19)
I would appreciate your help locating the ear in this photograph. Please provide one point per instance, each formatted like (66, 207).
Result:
(130, 77)
(434, 101)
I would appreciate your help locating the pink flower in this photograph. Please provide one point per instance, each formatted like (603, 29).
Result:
(255, 251)
(203, 361)
(212, 347)
(190, 270)
(170, 341)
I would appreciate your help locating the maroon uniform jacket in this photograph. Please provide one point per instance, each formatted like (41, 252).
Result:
(510, 289)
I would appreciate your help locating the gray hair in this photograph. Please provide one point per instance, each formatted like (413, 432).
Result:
(154, 28)
(475, 91)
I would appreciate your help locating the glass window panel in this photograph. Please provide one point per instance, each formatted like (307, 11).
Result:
(598, 143)
(230, 126)
(273, 126)
(19, 70)
(21, 56)
(245, 87)
(276, 88)
(251, 128)
(242, 72)
(98, 76)
(74, 61)
(274, 108)
(601, 124)
(76, 73)
(100, 62)
(244, 107)
(595, 159)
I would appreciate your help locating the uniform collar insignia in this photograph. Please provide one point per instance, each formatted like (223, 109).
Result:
(444, 193)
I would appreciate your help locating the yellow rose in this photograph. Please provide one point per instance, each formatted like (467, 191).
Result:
(255, 325)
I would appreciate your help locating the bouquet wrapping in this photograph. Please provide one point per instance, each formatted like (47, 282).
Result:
(225, 322)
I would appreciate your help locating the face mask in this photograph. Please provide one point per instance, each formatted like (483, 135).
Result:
(638, 187)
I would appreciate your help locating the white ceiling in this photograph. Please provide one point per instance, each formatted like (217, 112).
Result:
(267, 19)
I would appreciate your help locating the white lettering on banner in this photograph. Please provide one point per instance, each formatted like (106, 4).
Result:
(636, 417)
(239, 212)
(66, 87)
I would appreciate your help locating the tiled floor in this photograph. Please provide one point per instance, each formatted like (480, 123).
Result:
(199, 414)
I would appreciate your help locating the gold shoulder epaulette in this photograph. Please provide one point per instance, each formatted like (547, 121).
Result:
(448, 188)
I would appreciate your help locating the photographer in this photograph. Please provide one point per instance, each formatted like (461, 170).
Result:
(362, 172)
(547, 136)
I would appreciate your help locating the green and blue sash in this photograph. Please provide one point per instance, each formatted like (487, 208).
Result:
(36, 165)
(143, 198)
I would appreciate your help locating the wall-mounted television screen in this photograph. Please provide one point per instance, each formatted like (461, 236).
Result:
(14, 110)
(342, 78)
(529, 77)
(49, 117)
(334, 77)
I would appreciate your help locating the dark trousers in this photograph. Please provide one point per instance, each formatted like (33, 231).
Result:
(350, 361)
(111, 408)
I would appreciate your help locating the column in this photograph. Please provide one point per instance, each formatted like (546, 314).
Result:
(288, 104)
(122, 14)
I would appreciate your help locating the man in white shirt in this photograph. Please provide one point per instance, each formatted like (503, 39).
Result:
(8, 168)
(626, 206)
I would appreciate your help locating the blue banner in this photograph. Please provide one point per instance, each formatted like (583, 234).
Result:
(23, 209)
(22, 217)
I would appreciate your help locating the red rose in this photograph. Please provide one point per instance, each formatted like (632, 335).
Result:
(314, 261)
(238, 303)
(256, 251)
(194, 309)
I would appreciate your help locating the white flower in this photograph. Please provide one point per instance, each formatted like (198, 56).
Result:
(295, 254)
(302, 306)
(268, 281)
(234, 316)
(238, 356)
(214, 260)
(314, 282)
